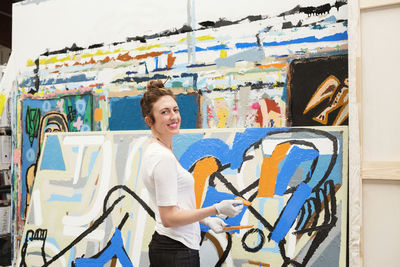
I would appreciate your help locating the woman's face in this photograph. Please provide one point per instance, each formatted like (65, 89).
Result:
(167, 119)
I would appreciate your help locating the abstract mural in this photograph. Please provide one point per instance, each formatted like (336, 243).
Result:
(89, 206)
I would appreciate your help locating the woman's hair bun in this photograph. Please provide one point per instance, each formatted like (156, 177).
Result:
(154, 85)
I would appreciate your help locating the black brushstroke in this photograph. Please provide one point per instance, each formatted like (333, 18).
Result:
(73, 48)
(133, 194)
(37, 235)
(95, 46)
(259, 246)
(226, 251)
(184, 29)
(313, 10)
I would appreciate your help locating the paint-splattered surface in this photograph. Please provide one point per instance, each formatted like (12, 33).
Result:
(89, 203)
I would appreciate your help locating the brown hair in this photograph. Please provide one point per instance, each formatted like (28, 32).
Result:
(154, 90)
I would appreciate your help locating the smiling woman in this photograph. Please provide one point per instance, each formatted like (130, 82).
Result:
(176, 240)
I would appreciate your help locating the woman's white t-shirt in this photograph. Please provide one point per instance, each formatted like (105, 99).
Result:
(169, 184)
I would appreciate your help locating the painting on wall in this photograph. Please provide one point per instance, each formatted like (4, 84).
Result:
(318, 90)
(89, 206)
(69, 113)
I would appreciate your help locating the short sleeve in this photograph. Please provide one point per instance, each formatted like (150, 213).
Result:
(166, 180)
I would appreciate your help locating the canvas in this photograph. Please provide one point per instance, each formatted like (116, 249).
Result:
(89, 206)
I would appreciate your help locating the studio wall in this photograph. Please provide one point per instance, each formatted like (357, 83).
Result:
(241, 66)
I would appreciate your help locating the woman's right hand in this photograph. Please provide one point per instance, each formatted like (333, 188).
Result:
(229, 207)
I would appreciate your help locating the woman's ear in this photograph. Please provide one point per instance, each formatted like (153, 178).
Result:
(148, 121)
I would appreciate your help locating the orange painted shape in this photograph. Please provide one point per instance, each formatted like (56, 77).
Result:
(98, 114)
(170, 60)
(273, 65)
(202, 170)
(245, 202)
(238, 227)
(151, 54)
(269, 170)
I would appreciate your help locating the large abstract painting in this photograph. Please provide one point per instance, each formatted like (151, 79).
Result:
(89, 206)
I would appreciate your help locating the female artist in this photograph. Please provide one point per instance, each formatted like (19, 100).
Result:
(176, 239)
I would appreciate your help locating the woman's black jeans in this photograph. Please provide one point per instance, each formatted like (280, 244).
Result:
(167, 252)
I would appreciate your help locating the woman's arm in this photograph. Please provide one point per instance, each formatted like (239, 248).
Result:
(171, 216)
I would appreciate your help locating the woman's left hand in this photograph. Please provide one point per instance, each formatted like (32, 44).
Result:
(216, 224)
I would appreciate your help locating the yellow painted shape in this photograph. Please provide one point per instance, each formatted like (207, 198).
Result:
(51, 60)
(202, 170)
(30, 62)
(182, 40)
(222, 115)
(3, 99)
(147, 47)
(205, 37)
(269, 170)
(223, 53)
(67, 58)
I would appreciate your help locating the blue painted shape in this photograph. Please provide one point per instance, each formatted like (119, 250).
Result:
(203, 148)
(323, 163)
(71, 255)
(125, 114)
(218, 47)
(93, 158)
(221, 151)
(296, 156)
(212, 197)
(73, 198)
(52, 155)
(253, 54)
(182, 141)
(116, 248)
(188, 107)
(310, 39)
(246, 45)
(290, 212)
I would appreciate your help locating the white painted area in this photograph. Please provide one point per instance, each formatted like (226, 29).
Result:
(50, 249)
(237, 9)
(380, 87)
(291, 240)
(78, 164)
(133, 149)
(87, 140)
(82, 142)
(100, 194)
(325, 146)
(74, 231)
(56, 24)
(136, 249)
(37, 208)
(381, 223)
